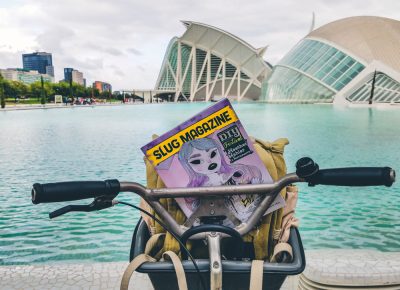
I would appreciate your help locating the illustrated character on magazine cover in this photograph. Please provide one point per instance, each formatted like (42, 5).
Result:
(205, 165)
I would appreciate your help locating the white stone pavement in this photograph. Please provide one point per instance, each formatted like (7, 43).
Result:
(348, 269)
(69, 276)
(353, 268)
(76, 277)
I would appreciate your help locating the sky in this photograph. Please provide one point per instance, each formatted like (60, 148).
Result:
(123, 42)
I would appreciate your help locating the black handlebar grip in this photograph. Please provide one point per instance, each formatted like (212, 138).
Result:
(73, 190)
(356, 176)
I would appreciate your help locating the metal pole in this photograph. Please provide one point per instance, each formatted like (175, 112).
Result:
(213, 241)
(371, 97)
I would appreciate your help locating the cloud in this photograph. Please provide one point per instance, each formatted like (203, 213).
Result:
(119, 72)
(92, 35)
(134, 51)
(141, 68)
(113, 51)
(54, 39)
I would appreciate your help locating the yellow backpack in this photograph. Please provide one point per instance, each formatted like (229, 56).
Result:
(264, 236)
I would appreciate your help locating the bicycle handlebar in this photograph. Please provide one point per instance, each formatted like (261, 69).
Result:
(307, 169)
(73, 190)
(214, 228)
(76, 190)
(357, 176)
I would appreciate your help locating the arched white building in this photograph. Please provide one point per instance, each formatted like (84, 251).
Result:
(207, 63)
(337, 62)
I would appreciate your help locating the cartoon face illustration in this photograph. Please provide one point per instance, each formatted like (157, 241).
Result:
(201, 159)
(205, 161)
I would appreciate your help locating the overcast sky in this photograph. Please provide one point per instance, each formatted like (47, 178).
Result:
(123, 42)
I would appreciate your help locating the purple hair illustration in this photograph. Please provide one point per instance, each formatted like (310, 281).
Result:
(204, 162)
(200, 158)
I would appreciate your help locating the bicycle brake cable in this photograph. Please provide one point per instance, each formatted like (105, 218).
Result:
(173, 234)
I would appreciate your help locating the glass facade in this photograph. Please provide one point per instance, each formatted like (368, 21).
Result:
(167, 81)
(386, 90)
(24, 76)
(295, 87)
(39, 61)
(31, 78)
(68, 74)
(319, 71)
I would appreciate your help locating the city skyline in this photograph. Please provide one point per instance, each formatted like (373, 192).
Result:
(124, 44)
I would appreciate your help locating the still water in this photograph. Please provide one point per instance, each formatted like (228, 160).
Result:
(104, 142)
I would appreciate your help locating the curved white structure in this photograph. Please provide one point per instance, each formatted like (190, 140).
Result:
(207, 63)
(337, 62)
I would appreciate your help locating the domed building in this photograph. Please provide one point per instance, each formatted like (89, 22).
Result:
(339, 62)
(207, 63)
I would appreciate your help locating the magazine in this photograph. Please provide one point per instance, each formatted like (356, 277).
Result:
(210, 149)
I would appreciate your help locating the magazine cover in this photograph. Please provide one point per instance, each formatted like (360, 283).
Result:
(210, 149)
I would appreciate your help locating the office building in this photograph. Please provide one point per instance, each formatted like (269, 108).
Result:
(73, 75)
(102, 86)
(39, 61)
(25, 76)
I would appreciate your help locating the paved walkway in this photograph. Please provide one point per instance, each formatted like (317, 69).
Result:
(352, 268)
(333, 267)
(69, 276)
(16, 107)
(76, 277)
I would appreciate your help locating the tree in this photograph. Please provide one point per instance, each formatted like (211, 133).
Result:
(42, 92)
(71, 90)
(2, 97)
(16, 89)
(119, 96)
(104, 94)
(62, 88)
(88, 92)
(79, 91)
(71, 93)
(35, 90)
(96, 92)
(8, 89)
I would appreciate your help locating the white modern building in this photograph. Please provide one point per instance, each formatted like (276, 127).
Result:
(337, 62)
(208, 63)
(25, 76)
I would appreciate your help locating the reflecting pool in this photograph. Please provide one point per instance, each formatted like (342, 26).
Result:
(96, 143)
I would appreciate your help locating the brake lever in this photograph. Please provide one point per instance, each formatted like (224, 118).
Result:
(67, 209)
(98, 203)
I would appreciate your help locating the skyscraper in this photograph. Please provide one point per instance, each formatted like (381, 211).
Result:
(74, 75)
(39, 61)
(68, 74)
